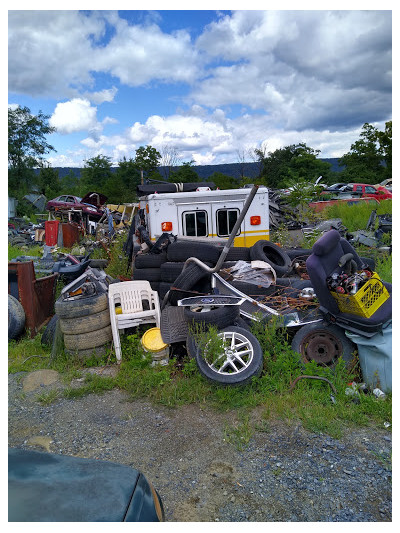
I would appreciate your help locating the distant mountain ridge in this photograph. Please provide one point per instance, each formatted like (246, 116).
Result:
(235, 170)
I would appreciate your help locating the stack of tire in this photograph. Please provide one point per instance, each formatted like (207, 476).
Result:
(16, 318)
(165, 270)
(147, 267)
(85, 324)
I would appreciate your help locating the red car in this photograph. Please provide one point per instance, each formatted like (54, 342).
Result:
(91, 204)
(365, 190)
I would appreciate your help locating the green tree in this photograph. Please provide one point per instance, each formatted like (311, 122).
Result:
(129, 174)
(184, 174)
(70, 184)
(49, 182)
(294, 162)
(370, 157)
(27, 147)
(95, 174)
(222, 181)
(147, 160)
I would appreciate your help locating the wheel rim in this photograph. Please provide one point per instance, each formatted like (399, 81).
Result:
(322, 347)
(236, 357)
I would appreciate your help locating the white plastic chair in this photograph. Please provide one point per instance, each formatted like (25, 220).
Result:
(139, 305)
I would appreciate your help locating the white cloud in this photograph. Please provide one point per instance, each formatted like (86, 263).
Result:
(106, 95)
(51, 51)
(56, 53)
(75, 115)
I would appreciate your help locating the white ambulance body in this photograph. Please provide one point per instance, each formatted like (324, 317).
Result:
(207, 215)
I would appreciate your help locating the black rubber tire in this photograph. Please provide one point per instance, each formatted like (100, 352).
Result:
(85, 354)
(186, 281)
(238, 253)
(16, 318)
(74, 326)
(170, 271)
(298, 253)
(252, 369)
(253, 290)
(242, 323)
(272, 254)
(147, 274)
(49, 331)
(150, 260)
(191, 346)
(81, 306)
(180, 251)
(155, 285)
(85, 341)
(323, 343)
(221, 317)
(163, 288)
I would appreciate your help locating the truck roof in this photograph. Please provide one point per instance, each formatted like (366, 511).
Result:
(227, 193)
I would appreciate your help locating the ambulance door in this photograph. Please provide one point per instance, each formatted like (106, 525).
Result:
(195, 220)
(224, 216)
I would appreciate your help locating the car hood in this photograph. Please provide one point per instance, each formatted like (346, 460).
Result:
(94, 198)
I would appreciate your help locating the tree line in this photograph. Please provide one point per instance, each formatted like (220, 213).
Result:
(369, 161)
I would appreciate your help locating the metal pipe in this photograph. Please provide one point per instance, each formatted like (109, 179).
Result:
(231, 237)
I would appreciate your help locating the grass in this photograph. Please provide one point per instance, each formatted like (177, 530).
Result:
(15, 251)
(355, 217)
(180, 383)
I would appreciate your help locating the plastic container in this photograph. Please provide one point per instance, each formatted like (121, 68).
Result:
(51, 232)
(152, 342)
(366, 301)
(375, 354)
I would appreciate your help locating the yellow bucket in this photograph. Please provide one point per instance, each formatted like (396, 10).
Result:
(152, 342)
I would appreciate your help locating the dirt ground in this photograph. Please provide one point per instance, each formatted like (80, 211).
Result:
(285, 474)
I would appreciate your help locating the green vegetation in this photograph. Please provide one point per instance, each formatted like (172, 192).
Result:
(180, 383)
(355, 217)
(370, 157)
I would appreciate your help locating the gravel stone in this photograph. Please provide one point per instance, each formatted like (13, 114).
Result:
(285, 475)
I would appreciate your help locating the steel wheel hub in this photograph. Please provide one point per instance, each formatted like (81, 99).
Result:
(322, 347)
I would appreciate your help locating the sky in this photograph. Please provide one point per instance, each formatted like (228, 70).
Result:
(208, 86)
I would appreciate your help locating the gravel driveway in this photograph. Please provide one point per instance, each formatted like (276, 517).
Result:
(286, 474)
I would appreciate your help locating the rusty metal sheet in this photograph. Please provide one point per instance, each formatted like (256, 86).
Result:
(36, 295)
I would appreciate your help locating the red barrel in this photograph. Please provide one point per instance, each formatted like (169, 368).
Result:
(51, 230)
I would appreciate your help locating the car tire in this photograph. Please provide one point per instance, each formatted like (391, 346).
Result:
(180, 251)
(272, 254)
(49, 331)
(89, 352)
(87, 341)
(298, 253)
(250, 289)
(81, 307)
(323, 343)
(242, 362)
(150, 260)
(147, 274)
(170, 271)
(238, 253)
(93, 322)
(188, 279)
(16, 318)
(220, 316)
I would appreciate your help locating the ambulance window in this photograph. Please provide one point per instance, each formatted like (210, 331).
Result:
(226, 219)
(195, 223)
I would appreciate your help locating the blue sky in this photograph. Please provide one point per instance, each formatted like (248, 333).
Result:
(209, 86)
